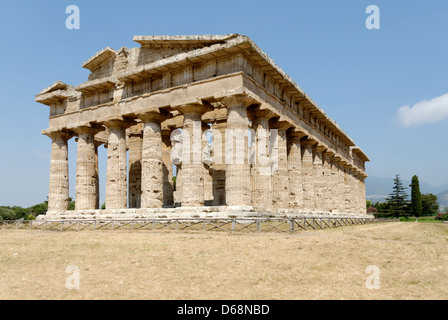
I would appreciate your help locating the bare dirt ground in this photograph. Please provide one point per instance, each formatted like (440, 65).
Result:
(412, 260)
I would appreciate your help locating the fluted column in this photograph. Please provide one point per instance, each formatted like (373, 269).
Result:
(295, 170)
(168, 187)
(192, 165)
(97, 174)
(280, 180)
(86, 169)
(308, 174)
(328, 202)
(135, 168)
(116, 181)
(262, 174)
(336, 183)
(219, 167)
(319, 184)
(363, 193)
(152, 160)
(58, 196)
(238, 181)
(348, 189)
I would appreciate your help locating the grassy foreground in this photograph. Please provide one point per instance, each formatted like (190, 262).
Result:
(412, 259)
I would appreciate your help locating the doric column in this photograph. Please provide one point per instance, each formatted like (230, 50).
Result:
(328, 199)
(97, 174)
(86, 169)
(295, 170)
(262, 174)
(152, 160)
(362, 191)
(192, 165)
(308, 174)
(219, 166)
(168, 187)
(342, 189)
(58, 196)
(135, 167)
(116, 181)
(238, 181)
(348, 200)
(336, 178)
(319, 178)
(207, 165)
(280, 180)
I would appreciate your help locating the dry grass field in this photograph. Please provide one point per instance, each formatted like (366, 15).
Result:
(327, 264)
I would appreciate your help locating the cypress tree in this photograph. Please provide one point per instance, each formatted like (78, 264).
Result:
(416, 197)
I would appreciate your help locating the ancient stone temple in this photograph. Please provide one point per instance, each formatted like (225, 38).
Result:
(240, 136)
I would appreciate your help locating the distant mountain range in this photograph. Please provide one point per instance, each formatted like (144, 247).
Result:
(378, 189)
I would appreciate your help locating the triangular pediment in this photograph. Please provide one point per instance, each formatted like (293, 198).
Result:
(58, 85)
(99, 58)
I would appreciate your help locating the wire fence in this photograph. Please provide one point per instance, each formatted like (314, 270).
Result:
(248, 225)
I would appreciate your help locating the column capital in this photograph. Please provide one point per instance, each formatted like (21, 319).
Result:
(154, 116)
(239, 98)
(296, 134)
(261, 111)
(319, 148)
(280, 124)
(60, 134)
(119, 123)
(309, 141)
(87, 129)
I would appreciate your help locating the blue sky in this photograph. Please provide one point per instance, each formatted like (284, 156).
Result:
(360, 77)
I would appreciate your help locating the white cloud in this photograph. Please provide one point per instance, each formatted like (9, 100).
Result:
(423, 112)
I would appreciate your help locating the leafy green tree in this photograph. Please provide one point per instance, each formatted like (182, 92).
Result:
(397, 200)
(7, 213)
(71, 204)
(430, 206)
(369, 204)
(21, 213)
(39, 209)
(416, 197)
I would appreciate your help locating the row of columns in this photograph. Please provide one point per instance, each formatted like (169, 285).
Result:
(308, 176)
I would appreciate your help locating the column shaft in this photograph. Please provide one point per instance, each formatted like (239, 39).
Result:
(295, 172)
(192, 166)
(135, 169)
(86, 171)
(262, 191)
(308, 175)
(319, 179)
(168, 187)
(238, 187)
(116, 183)
(58, 196)
(152, 164)
(280, 180)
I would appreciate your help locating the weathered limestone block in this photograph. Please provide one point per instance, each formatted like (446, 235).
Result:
(116, 180)
(58, 196)
(86, 170)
